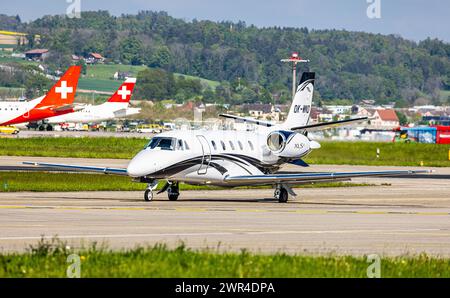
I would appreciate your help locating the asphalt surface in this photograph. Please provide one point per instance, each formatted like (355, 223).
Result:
(404, 216)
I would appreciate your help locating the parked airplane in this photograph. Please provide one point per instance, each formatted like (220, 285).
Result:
(234, 158)
(115, 107)
(58, 101)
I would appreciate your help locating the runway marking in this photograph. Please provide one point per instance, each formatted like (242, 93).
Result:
(193, 209)
(243, 233)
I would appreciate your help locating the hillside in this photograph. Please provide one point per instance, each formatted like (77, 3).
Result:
(350, 65)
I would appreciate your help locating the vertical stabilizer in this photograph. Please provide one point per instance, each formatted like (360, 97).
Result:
(301, 105)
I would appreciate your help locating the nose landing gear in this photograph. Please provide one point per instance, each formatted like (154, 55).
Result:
(148, 194)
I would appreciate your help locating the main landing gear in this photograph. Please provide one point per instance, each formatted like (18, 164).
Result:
(282, 192)
(173, 191)
(172, 188)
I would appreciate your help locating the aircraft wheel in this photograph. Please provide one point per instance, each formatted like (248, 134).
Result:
(173, 197)
(148, 195)
(281, 195)
(173, 192)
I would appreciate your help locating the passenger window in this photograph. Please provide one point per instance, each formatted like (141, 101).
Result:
(223, 145)
(186, 146)
(214, 145)
(240, 145)
(232, 145)
(251, 145)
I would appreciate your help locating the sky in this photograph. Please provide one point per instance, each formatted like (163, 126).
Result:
(411, 19)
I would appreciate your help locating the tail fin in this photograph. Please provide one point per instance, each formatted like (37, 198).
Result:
(123, 94)
(63, 92)
(301, 105)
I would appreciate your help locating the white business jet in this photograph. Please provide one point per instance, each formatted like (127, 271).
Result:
(234, 158)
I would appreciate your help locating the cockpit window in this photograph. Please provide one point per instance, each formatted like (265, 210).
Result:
(161, 144)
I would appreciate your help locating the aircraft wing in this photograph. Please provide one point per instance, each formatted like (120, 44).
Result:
(77, 168)
(327, 125)
(249, 120)
(315, 177)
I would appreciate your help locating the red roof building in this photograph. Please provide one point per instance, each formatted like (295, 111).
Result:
(36, 54)
(94, 58)
(385, 119)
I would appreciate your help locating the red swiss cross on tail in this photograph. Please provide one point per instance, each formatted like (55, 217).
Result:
(63, 92)
(123, 94)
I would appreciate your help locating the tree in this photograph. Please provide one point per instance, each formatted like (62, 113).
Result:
(155, 84)
(209, 95)
(132, 49)
(161, 58)
(83, 65)
(402, 118)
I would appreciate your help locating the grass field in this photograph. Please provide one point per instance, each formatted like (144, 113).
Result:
(73, 147)
(395, 154)
(98, 84)
(49, 259)
(351, 153)
(106, 71)
(63, 182)
(445, 94)
(100, 74)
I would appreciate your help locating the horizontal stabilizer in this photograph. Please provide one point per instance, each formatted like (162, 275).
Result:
(328, 125)
(248, 120)
(78, 168)
(63, 108)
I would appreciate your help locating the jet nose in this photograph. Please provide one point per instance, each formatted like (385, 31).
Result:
(140, 165)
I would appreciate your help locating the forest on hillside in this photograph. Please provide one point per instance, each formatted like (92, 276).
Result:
(349, 65)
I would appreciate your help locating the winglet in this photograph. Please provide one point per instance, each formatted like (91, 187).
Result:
(125, 91)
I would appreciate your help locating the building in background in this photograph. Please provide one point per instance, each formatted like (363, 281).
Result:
(385, 119)
(37, 54)
(94, 58)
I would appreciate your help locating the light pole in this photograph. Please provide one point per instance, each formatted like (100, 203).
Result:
(295, 58)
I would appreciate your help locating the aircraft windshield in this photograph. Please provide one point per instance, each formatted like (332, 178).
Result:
(161, 144)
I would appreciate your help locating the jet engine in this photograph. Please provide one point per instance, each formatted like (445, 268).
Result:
(288, 144)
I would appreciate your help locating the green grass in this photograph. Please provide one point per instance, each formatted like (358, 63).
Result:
(391, 154)
(445, 94)
(106, 71)
(8, 59)
(205, 82)
(49, 259)
(122, 148)
(99, 84)
(99, 76)
(63, 182)
(351, 153)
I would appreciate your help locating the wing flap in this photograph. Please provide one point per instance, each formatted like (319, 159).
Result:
(314, 177)
(79, 168)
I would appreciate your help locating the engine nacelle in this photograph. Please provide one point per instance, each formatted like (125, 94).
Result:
(288, 144)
